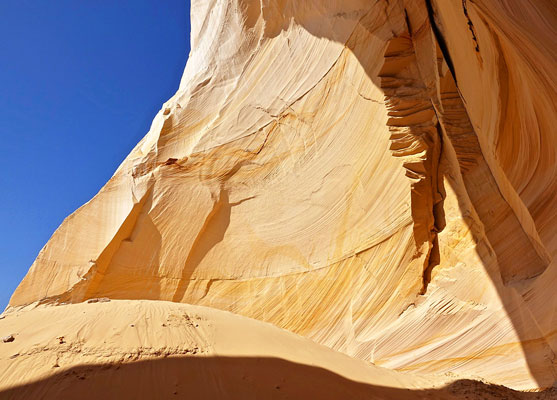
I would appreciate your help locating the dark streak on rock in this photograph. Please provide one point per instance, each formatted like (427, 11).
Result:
(440, 39)
(470, 26)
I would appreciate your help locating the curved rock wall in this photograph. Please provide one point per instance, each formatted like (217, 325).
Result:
(376, 176)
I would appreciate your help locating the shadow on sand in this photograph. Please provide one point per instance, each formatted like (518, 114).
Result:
(201, 377)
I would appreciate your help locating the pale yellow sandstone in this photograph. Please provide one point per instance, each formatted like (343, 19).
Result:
(376, 176)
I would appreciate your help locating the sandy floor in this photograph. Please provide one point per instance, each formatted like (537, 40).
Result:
(154, 349)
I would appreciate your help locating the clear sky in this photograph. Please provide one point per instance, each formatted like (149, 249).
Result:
(80, 82)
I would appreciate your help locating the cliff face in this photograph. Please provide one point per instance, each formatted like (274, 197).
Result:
(377, 176)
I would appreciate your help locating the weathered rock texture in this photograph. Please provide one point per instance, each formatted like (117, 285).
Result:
(377, 176)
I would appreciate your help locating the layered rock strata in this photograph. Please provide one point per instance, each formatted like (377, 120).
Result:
(377, 176)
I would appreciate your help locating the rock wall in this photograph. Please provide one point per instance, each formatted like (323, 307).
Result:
(378, 176)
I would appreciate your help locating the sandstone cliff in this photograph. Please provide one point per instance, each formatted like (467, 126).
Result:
(376, 176)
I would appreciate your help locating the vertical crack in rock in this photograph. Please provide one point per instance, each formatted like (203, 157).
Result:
(441, 42)
(438, 192)
(415, 137)
(470, 26)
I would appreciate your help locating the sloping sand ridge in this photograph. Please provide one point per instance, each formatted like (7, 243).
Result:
(152, 349)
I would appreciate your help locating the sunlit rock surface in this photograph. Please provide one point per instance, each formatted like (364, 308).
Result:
(144, 349)
(376, 176)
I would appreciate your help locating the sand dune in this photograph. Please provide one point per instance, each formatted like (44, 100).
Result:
(162, 350)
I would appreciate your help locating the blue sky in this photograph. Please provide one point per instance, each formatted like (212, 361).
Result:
(80, 82)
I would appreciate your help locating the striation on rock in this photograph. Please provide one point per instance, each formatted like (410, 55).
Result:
(378, 177)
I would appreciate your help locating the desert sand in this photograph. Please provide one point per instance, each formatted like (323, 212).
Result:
(142, 349)
(378, 177)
